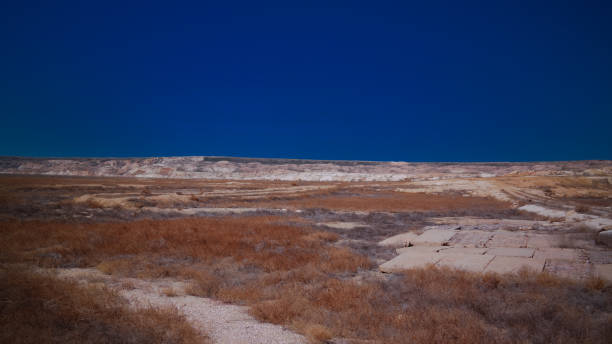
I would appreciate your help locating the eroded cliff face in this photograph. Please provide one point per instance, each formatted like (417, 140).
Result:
(288, 169)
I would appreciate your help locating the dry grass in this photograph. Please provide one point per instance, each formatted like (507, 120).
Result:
(583, 209)
(382, 201)
(433, 305)
(316, 332)
(42, 309)
(259, 242)
(291, 275)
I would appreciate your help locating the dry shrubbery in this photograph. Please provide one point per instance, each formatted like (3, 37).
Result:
(443, 306)
(252, 242)
(42, 309)
(466, 307)
(290, 275)
(228, 258)
(583, 209)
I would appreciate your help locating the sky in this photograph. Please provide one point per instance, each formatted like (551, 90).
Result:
(341, 80)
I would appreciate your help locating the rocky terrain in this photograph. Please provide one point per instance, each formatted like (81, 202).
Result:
(288, 169)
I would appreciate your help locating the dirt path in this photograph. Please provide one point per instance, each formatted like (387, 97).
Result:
(223, 323)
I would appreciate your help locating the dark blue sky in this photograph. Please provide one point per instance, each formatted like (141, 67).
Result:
(376, 80)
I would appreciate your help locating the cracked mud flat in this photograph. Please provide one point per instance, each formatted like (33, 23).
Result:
(484, 247)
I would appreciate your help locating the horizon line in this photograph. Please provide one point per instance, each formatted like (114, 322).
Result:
(277, 158)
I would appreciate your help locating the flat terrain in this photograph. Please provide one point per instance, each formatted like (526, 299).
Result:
(446, 253)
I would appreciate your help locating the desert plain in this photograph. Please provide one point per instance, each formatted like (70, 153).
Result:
(237, 250)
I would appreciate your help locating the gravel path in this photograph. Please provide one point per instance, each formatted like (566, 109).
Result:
(223, 323)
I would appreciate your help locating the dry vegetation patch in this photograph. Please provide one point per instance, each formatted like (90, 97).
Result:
(251, 242)
(440, 305)
(291, 274)
(377, 201)
(38, 308)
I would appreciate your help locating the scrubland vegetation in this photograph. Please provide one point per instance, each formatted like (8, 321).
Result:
(48, 198)
(39, 308)
(290, 274)
(288, 268)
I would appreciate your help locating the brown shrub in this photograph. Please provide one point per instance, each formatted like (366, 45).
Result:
(548, 191)
(369, 200)
(94, 204)
(441, 305)
(259, 241)
(582, 209)
(42, 309)
(315, 333)
(203, 283)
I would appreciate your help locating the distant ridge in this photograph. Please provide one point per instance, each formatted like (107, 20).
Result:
(217, 167)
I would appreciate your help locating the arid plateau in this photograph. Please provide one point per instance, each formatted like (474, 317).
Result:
(239, 250)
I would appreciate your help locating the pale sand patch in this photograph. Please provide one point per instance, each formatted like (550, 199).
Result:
(467, 262)
(466, 250)
(434, 237)
(543, 240)
(344, 225)
(400, 240)
(533, 208)
(507, 239)
(591, 221)
(604, 271)
(557, 254)
(512, 252)
(411, 260)
(474, 187)
(422, 249)
(504, 265)
(471, 238)
(264, 192)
